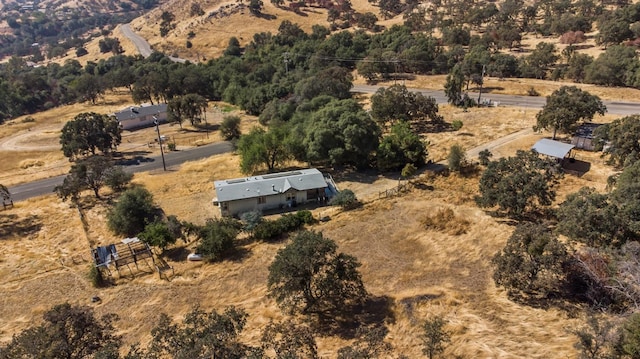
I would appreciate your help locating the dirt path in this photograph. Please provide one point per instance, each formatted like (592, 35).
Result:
(31, 140)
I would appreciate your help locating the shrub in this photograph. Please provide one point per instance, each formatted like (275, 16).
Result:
(251, 220)
(217, 239)
(286, 223)
(456, 125)
(306, 217)
(457, 158)
(485, 156)
(532, 92)
(230, 128)
(345, 199)
(444, 220)
(135, 208)
(267, 230)
(171, 146)
(95, 276)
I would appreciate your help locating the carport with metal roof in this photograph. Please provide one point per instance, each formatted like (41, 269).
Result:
(551, 148)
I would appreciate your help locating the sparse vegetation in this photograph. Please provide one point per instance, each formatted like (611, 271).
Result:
(434, 336)
(345, 199)
(445, 220)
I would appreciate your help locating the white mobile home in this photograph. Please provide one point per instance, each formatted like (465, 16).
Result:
(271, 191)
(135, 117)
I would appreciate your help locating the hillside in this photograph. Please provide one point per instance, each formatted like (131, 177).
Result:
(411, 271)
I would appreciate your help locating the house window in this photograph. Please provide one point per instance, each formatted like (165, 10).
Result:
(262, 200)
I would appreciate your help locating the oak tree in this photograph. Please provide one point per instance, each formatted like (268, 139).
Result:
(518, 185)
(88, 133)
(72, 332)
(531, 263)
(309, 275)
(565, 107)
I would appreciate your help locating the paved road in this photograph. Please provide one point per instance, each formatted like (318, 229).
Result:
(613, 107)
(141, 44)
(172, 159)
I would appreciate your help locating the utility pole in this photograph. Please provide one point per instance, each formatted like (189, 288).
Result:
(206, 125)
(481, 82)
(157, 123)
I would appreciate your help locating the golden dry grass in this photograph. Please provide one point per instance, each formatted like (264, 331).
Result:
(423, 272)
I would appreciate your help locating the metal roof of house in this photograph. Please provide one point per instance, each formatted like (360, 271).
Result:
(269, 184)
(552, 148)
(140, 111)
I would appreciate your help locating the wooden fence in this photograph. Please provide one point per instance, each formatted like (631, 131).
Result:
(395, 191)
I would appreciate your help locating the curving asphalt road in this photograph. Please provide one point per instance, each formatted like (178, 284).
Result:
(172, 159)
(144, 48)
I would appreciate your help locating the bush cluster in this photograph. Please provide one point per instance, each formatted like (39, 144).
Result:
(269, 230)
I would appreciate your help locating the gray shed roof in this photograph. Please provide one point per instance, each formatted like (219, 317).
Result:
(552, 148)
(269, 184)
(140, 111)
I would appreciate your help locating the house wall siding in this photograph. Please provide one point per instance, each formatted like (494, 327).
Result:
(235, 208)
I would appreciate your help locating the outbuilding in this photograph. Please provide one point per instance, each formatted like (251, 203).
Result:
(135, 117)
(583, 137)
(272, 191)
(555, 149)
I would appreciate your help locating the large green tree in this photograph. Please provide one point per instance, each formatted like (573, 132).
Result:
(133, 211)
(340, 133)
(453, 85)
(565, 107)
(71, 332)
(531, 263)
(589, 217)
(88, 133)
(622, 137)
(400, 147)
(518, 185)
(397, 103)
(202, 335)
(157, 234)
(217, 238)
(260, 148)
(90, 173)
(310, 276)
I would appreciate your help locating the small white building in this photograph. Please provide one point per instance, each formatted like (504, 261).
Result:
(135, 117)
(272, 191)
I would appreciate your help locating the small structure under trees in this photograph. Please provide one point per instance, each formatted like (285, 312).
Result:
(583, 138)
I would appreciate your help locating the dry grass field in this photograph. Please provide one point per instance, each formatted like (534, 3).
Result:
(421, 270)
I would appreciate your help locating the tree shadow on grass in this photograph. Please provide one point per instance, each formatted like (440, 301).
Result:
(375, 311)
(177, 254)
(11, 224)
